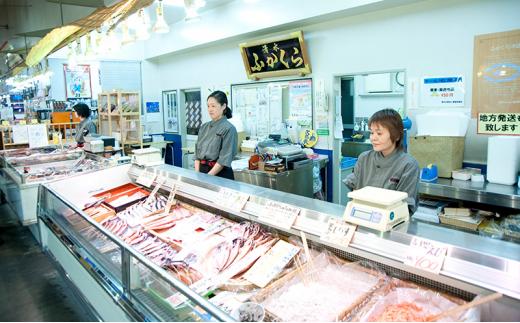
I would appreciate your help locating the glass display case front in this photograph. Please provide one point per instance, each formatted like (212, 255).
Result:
(49, 163)
(169, 244)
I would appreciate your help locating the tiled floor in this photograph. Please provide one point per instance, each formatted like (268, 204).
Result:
(31, 289)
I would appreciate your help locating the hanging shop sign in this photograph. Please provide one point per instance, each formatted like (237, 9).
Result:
(447, 91)
(280, 56)
(499, 124)
(496, 73)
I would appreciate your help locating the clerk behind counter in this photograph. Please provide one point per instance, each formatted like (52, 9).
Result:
(218, 139)
(86, 125)
(387, 165)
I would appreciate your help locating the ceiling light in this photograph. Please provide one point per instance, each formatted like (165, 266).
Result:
(71, 57)
(127, 37)
(176, 3)
(142, 26)
(191, 7)
(160, 27)
(89, 52)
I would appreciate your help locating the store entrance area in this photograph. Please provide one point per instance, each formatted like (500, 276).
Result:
(32, 288)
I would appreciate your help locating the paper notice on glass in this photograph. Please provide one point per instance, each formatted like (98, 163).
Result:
(38, 135)
(271, 264)
(426, 254)
(20, 134)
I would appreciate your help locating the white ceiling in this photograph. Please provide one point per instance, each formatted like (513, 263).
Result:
(72, 10)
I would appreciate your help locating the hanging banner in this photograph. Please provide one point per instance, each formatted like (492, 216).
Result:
(445, 91)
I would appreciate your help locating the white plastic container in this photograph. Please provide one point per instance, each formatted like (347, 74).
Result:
(503, 159)
(147, 156)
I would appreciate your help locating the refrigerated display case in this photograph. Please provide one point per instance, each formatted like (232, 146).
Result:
(120, 283)
(23, 170)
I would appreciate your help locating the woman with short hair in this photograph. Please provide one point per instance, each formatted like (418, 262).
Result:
(86, 125)
(387, 165)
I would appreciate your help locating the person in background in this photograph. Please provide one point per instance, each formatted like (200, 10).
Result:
(86, 125)
(217, 142)
(387, 165)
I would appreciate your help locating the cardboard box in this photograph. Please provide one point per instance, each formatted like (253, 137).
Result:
(445, 152)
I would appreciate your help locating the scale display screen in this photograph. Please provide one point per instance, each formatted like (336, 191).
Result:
(357, 213)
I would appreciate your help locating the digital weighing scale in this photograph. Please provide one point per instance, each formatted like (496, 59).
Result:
(377, 208)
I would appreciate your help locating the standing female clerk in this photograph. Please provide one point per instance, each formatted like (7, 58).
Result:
(387, 166)
(86, 125)
(217, 142)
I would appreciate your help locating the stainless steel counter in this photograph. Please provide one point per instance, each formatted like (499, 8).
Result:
(487, 193)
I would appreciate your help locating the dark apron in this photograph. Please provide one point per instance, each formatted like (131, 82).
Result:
(226, 172)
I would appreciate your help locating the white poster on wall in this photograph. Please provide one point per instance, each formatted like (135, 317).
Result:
(444, 91)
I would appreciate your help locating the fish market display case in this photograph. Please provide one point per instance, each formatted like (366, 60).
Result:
(23, 170)
(119, 280)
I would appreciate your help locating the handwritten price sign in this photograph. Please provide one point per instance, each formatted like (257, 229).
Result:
(279, 214)
(338, 232)
(426, 255)
(231, 199)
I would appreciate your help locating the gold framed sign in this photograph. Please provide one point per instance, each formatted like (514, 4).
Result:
(279, 56)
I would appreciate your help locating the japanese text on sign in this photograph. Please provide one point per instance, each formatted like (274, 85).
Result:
(499, 123)
(279, 214)
(338, 232)
(231, 199)
(426, 255)
(442, 91)
(278, 55)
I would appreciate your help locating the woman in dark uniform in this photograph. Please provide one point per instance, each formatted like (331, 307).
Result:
(86, 125)
(217, 142)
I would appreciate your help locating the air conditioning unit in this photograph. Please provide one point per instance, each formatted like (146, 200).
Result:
(378, 83)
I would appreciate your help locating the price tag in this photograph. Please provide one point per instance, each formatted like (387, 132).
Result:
(171, 198)
(338, 232)
(22, 122)
(160, 182)
(279, 214)
(34, 121)
(231, 199)
(146, 178)
(271, 264)
(426, 254)
(5, 123)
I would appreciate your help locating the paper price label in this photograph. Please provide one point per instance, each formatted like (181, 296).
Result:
(171, 198)
(231, 199)
(5, 123)
(160, 182)
(271, 264)
(22, 122)
(426, 255)
(146, 178)
(338, 232)
(279, 214)
(34, 121)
